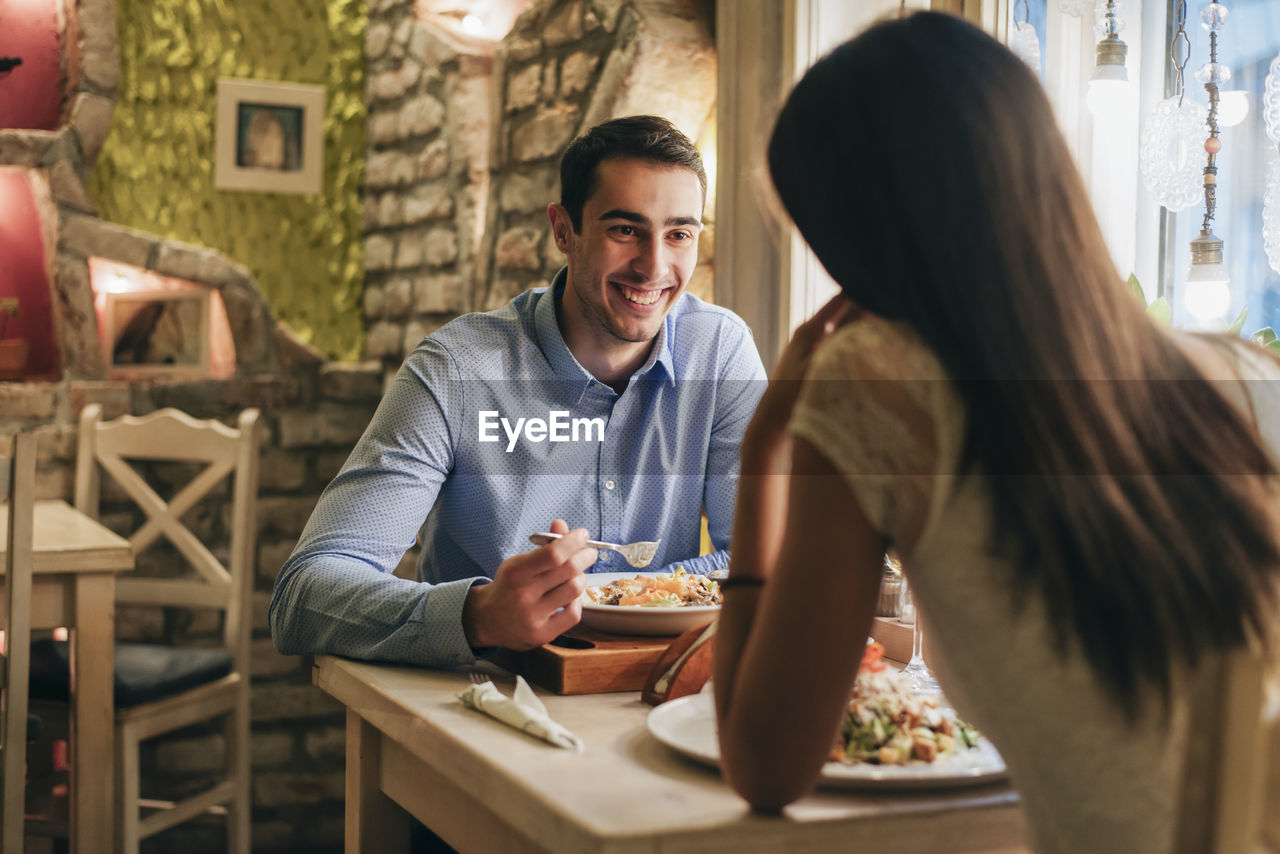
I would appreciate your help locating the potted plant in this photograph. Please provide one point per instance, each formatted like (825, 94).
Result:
(13, 351)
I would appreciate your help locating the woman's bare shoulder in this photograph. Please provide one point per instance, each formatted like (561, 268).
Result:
(1222, 357)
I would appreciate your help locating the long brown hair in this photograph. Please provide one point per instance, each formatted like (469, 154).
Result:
(922, 163)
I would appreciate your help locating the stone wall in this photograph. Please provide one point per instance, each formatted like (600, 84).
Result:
(426, 175)
(313, 411)
(463, 145)
(465, 142)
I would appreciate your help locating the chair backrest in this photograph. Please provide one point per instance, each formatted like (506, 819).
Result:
(1228, 754)
(19, 477)
(1271, 805)
(169, 435)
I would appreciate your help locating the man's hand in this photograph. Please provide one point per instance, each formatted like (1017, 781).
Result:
(533, 596)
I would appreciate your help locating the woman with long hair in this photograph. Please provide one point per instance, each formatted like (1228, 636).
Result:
(1083, 502)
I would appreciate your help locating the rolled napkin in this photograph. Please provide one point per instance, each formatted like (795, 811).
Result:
(522, 710)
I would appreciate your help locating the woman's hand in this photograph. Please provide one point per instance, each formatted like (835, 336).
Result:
(768, 426)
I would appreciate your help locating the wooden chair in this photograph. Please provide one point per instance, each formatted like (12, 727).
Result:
(160, 689)
(1224, 786)
(19, 473)
(1271, 806)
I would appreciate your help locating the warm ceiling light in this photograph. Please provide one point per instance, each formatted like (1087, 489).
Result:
(1208, 286)
(1109, 92)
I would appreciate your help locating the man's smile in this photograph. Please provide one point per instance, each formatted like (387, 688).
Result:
(639, 296)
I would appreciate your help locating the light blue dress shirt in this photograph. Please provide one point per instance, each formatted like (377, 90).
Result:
(643, 466)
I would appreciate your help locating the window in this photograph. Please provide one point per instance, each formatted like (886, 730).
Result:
(1247, 45)
(1143, 238)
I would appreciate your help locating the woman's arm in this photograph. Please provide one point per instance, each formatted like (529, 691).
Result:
(787, 652)
(787, 649)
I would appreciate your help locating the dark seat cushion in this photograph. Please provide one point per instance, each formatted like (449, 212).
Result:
(144, 672)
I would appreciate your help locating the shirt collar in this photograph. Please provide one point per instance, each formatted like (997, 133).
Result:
(557, 351)
(550, 341)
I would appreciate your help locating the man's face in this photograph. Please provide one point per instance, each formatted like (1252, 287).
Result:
(636, 250)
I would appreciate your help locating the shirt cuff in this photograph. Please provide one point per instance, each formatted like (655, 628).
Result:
(442, 623)
(702, 565)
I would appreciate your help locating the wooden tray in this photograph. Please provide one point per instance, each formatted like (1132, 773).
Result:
(608, 663)
(599, 663)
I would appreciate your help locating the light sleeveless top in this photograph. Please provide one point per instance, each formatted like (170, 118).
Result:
(880, 407)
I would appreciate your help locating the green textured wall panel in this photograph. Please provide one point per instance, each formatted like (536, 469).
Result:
(155, 172)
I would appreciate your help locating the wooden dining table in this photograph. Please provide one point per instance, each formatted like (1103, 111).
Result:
(414, 749)
(73, 585)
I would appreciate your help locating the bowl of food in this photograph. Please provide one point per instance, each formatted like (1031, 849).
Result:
(649, 603)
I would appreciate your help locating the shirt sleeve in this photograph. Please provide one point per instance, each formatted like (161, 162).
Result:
(742, 381)
(867, 405)
(336, 594)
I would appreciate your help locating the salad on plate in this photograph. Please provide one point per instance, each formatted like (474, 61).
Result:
(886, 723)
(664, 590)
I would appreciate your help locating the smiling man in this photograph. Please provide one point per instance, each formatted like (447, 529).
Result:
(611, 399)
(631, 248)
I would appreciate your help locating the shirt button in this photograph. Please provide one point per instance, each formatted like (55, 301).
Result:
(608, 484)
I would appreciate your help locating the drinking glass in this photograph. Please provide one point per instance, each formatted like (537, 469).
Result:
(917, 673)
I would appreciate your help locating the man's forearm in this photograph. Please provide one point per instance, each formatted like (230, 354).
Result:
(323, 606)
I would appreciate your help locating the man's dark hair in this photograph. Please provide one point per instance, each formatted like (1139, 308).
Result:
(651, 138)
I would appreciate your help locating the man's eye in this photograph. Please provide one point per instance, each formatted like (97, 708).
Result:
(681, 235)
(624, 230)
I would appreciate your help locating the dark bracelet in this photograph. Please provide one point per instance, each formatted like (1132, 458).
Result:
(741, 581)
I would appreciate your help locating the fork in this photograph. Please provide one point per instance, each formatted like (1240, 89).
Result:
(638, 555)
(478, 678)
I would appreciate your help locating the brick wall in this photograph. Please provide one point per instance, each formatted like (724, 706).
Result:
(464, 140)
(313, 412)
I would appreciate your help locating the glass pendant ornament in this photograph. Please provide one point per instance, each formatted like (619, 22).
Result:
(1169, 152)
(1214, 71)
(1271, 101)
(1271, 212)
(1214, 17)
(1271, 193)
(1025, 44)
(1108, 20)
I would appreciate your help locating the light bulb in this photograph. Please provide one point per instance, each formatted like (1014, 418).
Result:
(1208, 289)
(1233, 106)
(1109, 92)
(1209, 299)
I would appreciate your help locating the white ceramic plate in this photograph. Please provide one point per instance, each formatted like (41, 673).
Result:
(688, 726)
(634, 620)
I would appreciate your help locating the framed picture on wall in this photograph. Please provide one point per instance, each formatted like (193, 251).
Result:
(269, 137)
